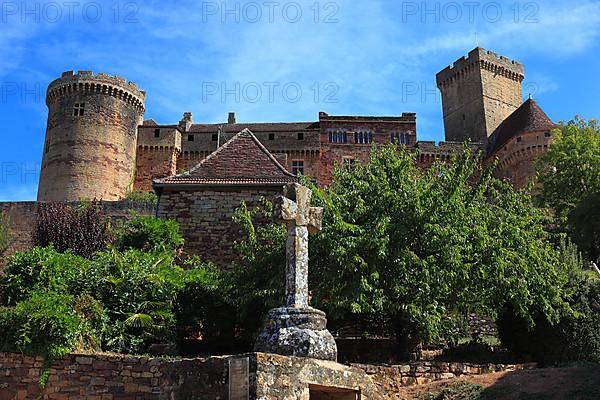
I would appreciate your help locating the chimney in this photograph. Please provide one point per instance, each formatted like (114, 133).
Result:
(231, 118)
(186, 122)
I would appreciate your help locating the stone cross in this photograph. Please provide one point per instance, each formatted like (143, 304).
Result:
(293, 209)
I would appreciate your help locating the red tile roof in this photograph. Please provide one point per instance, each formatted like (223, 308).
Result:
(529, 117)
(241, 161)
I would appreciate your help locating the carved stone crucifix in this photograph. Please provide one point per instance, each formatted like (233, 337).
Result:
(294, 210)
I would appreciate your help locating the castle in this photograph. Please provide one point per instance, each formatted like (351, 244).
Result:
(98, 144)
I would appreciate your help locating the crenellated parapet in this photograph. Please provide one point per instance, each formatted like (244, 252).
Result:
(86, 82)
(91, 137)
(429, 151)
(477, 59)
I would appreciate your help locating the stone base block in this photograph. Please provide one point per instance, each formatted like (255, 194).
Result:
(299, 332)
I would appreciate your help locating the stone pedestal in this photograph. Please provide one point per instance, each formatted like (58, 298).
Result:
(300, 332)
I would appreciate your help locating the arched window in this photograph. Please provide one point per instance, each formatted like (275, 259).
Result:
(337, 136)
(363, 137)
(400, 138)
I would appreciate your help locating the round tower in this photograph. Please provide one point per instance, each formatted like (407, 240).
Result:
(91, 137)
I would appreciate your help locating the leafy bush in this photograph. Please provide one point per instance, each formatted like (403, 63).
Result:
(575, 338)
(148, 234)
(82, 228)
(41, 269)
(570, 174)
(141, 197)
(129, 299)
(203, 310)
(4, 233)
(49, 325)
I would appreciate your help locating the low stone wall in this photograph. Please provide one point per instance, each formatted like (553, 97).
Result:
(253, 376)
(108, 377)
(391, 378)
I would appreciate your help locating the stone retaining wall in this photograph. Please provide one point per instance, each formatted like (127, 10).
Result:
(266, 377)
(110, 377)
(391, 378)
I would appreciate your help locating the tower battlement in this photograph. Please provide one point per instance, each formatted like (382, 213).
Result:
(88, 82)
(478, 92)
(485, 59)
(91, 137)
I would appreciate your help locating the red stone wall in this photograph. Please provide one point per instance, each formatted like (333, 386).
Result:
(335, 153)
(153, 163)
(516, 159)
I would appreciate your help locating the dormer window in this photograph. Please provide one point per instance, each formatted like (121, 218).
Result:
(78, 109)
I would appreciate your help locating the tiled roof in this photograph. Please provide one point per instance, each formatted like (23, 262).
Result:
(528, 117)
(241, 161)
(256, 127)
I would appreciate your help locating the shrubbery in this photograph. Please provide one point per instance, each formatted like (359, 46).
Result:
(413, 247)
(82, 229)
(52, 302)
(575, 338)
(148, 234)
(141, 197)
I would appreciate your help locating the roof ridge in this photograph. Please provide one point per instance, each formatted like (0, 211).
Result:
(267, 152)
(214, 153)
(205, 169)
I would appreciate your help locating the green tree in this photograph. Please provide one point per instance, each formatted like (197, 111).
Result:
(570, 174)
(416, 246)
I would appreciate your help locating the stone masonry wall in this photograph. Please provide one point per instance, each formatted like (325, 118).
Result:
(91, 138)
(205, 217)
(113, 377)
(390, 378)
(153, 163)
(516, 159)
(266, 377)
(336, 153)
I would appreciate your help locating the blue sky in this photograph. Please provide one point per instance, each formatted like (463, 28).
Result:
(346, 57)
